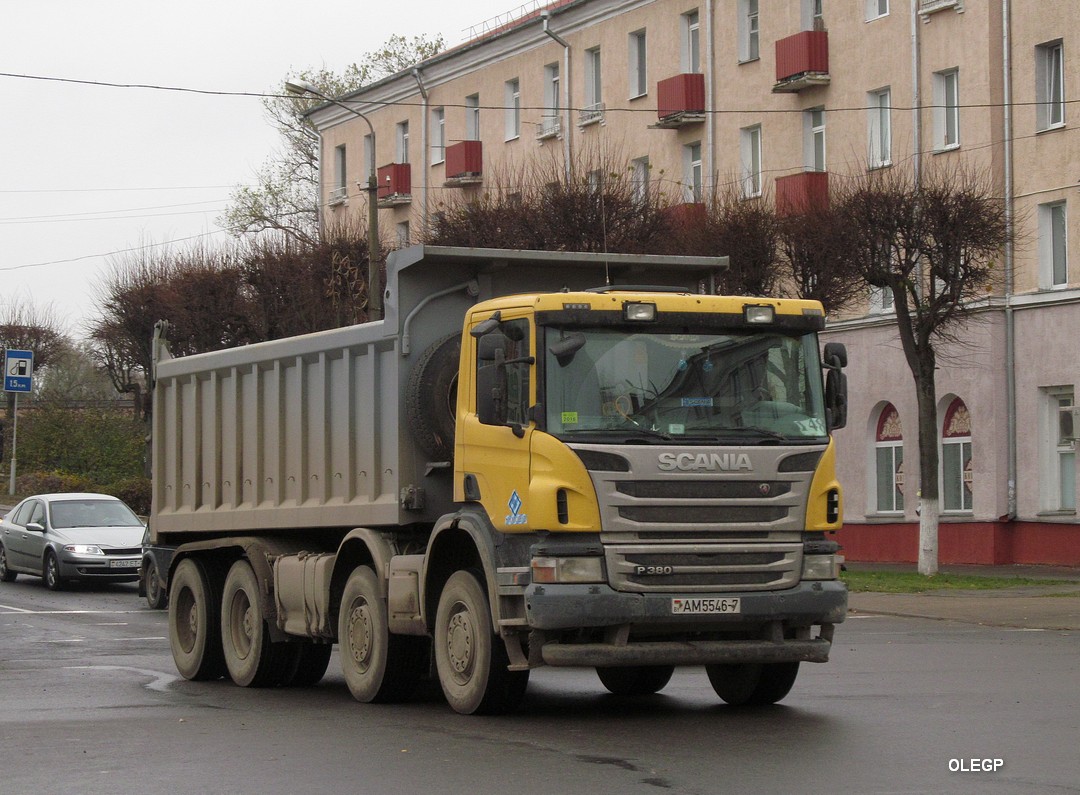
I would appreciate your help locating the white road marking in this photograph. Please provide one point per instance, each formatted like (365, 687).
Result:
(160, 683)
(5, 609)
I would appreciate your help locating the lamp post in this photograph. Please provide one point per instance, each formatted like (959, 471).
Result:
(298, 87)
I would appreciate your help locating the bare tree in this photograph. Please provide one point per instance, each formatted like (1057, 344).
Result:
(814, 261)
(285, 196)
(933, 245)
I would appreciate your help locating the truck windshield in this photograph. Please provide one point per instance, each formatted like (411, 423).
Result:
(609, 384)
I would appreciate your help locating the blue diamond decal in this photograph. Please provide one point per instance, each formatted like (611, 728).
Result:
(515, 503)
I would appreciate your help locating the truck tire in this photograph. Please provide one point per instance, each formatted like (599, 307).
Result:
(156, 596)
(470, 658)
(431, 397)
(251, 659)
(642, 680)
(308, 665)
(752, 684)
(194, 621)
(378, 667)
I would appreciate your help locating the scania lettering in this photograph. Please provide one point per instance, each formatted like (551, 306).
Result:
(531, 460)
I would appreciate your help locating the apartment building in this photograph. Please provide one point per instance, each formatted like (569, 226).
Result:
(780, 98)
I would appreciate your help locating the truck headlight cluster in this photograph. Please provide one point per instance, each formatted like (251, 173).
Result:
(567, 570)
(821, 567)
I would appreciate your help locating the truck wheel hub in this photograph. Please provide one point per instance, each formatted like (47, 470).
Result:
(460, 642)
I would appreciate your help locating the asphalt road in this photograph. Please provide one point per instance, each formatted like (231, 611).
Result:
(90, 703)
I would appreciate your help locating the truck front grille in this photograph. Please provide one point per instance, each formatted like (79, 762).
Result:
(691, 568)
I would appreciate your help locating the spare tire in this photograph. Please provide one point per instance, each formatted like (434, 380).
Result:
(431, 397)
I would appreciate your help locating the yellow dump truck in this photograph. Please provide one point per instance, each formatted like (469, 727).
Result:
(534, 458)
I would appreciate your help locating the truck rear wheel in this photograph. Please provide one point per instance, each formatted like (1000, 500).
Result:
(471, 660)
(250, 657)
(431, 398)
(378, 666)
(194, 619)
(752, 684)
(642, 680)
(309, 664)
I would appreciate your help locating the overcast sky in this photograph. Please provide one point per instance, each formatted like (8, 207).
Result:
(87, 171)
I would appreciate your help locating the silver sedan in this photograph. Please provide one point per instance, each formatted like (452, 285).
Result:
(61, 537)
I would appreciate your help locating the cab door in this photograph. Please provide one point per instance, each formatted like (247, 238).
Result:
(492, 455)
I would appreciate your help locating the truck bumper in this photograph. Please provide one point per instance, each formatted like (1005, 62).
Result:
(559, 607)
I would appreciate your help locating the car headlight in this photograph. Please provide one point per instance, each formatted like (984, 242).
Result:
(83, 549)
(556, 570)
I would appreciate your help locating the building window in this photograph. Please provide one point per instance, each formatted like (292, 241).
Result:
(692, 169)
(750, 145)
(1059, 449)
(472, 117)
(889, 462)
(876, 8)
(438, 135)
(550, 121)
(947, 109)
(879, 121)
(691, 43)
(594, 99)
(639, 181)
(403, 234)
(1050, 85)
(882, 300)
(749, 49)
(956, 458)
(512, 93)
(1053, 245)
(402, 142)
(341, 187)
(814, 139)
(639, 85)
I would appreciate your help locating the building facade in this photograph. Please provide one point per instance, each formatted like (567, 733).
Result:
(778, 99)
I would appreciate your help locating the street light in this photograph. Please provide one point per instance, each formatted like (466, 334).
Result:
(299, 88)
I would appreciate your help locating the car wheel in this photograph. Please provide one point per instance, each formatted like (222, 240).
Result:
(156, 596)
(6, 574)
(50, 572)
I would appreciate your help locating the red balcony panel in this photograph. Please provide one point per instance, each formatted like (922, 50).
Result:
(683, 93)
(800, 193)
(804, 52)
(686, 216)
(395, 179)
(464, 159)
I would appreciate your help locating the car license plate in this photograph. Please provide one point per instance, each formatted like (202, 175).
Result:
(709, 605)
(124, 564)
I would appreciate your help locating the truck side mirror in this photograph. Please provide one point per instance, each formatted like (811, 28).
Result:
(835, 355)
(836, 399)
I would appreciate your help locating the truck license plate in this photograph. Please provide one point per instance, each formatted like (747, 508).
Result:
(691, 605)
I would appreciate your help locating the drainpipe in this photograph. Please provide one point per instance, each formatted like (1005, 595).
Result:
(710, 120)
(424, 155)
(545, 15)
(916, 95)
(1010, 329)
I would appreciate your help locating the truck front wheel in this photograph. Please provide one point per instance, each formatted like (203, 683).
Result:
(471, 660)
(193, 622)
(378, 666)
(752, 684)
(642, 680)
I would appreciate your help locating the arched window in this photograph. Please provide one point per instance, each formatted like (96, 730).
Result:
(956, 457)
(889, 461)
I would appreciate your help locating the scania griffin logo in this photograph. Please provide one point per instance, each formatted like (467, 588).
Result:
(713, 462)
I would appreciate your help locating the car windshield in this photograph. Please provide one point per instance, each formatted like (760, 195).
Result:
(92, 513)
(736, 386)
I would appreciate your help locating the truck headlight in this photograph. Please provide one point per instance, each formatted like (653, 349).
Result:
(567, 570)
(821, 567)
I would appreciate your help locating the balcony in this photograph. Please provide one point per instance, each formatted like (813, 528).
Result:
(464, 163)
(798, 194)
(680, 101)
(591, 114)
(338, 195)
(928, 7)
(686, 216)
(802, 61)
(550, 127)
(395, 184)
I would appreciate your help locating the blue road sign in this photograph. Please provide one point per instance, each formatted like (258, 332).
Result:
(18, 368)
